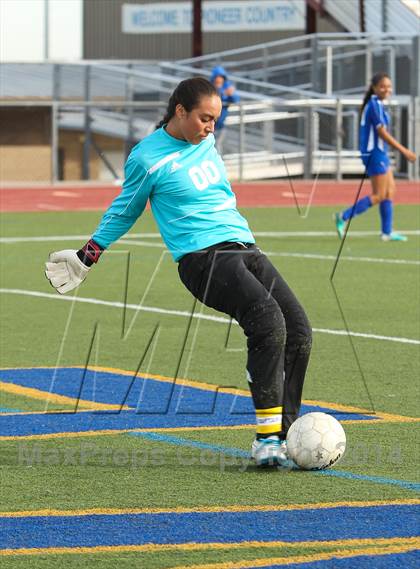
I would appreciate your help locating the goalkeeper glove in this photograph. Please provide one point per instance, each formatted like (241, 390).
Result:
(67, 269)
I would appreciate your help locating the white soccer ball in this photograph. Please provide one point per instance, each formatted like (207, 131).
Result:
(316, 441)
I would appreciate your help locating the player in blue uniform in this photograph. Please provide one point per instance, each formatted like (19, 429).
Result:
(228, 95)
(374, 142)
(178, 169)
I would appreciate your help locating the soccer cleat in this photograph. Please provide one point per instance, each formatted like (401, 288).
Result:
(271, 451)
(340, 225)
(393, 237)
(284, 460)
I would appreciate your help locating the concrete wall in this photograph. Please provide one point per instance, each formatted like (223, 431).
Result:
(25, 151)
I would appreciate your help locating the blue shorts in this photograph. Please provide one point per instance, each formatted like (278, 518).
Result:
(376, 163)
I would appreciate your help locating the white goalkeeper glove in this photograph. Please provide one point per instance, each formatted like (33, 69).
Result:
(67, 269)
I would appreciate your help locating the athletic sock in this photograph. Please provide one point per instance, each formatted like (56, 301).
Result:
(386, 212)
(268, 422)
(360, 206)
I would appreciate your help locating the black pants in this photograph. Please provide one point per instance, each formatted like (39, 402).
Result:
(241, 281)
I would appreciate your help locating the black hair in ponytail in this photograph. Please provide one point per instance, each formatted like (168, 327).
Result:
(377, 78)
(188, 94)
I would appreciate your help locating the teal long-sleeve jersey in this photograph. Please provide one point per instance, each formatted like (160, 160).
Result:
(190, 196)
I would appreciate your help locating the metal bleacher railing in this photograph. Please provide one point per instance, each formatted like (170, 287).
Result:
(339, 63)
(299, 102)
(316, 82)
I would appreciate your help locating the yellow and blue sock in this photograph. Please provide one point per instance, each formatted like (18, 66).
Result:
(268, 422)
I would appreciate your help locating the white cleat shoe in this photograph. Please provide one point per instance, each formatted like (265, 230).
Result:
(271, 452)
(393, 237)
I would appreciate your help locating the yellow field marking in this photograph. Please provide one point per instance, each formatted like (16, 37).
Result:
(409, 542)
(110, 432)
(383, 417)
(389, 417)
(323, 556)
(179, 381)
(49, 412)
(54, 398)
(210, 509)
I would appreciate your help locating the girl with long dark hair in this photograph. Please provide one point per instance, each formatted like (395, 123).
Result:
(374, 141)
(178, 169)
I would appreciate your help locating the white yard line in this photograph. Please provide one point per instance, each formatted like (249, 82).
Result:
(221, 319)
(327, 233)
(133, 240)
(274, 234)
(343, 258)
(47, 238)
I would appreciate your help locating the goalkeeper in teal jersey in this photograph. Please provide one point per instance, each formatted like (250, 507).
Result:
(178, 169)
(190, 197)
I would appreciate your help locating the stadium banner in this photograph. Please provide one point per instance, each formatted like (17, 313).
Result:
(233, 16)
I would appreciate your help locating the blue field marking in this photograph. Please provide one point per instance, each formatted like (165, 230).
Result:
(146, 395)
(154, 403)
(9, 410)
(376, 479)
(352, 522)
(178, 441)
(409, 560)
(22, 425)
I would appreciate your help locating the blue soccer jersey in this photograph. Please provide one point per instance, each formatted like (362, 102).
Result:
(190, 196)
(374, 116)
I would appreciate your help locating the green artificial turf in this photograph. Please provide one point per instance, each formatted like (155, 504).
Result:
(122, 471)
